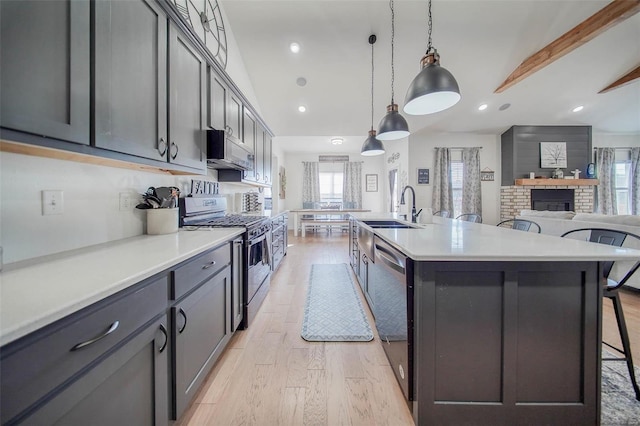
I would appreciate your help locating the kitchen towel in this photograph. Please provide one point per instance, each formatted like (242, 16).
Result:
(333, 311)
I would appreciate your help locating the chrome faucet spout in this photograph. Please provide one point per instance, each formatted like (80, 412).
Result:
(414, 215)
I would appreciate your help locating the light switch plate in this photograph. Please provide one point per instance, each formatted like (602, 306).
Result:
(52, 202)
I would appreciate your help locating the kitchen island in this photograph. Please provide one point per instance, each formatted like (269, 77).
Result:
(504, 327)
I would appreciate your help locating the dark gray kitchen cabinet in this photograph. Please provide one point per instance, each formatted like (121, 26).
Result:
(71, 366)
(234, 117)
(237, 304)
(217, 101)
(130, 386)
(268, 173)
(250, 140)
(187, 106)
(131, 78)
(279, 239)
(45, 78)
(201, 330)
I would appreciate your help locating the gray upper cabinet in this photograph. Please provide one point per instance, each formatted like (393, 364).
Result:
(234, 117)
(131, 78)
(217, 114)
(45, 78)
(268, 178)
(187, 106)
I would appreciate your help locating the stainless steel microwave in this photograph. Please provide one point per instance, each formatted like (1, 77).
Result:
(223, 152)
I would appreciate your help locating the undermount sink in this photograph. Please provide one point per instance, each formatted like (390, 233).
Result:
(388, 224)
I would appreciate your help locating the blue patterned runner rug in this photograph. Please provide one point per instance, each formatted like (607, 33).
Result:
(333, 311)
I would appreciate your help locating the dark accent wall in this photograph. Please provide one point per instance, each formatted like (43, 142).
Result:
(521, 150)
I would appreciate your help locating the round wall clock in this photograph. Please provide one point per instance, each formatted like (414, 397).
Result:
(205, 18)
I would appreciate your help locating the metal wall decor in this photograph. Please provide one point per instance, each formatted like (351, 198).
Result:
(205, 18)
(393, 157)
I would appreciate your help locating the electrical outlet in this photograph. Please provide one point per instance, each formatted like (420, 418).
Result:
(52, 202)
(125, 201)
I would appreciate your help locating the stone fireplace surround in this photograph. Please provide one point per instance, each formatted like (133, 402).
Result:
(515, 198)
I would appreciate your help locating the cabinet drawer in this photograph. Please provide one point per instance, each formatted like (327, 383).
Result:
(32, 367)
(193, 272)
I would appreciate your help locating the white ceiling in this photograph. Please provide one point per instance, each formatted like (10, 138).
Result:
(480, 42)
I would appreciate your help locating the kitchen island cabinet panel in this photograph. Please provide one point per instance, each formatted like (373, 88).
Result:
(503, 343)
(45, 79)
(131, 78)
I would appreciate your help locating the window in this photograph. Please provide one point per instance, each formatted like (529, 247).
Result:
(331, 187)
(457, 177)
(622, 186)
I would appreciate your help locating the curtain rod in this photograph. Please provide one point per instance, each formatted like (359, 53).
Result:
(458, 147)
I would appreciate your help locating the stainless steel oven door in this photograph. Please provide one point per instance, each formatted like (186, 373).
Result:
(258, 263)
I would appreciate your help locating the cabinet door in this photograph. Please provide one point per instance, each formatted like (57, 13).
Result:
(130, 82)
(201, 325)
(237, 277)
(268, 173)
(187, 102)
(217, 102)
(129, 387)
(44, 52)
(234, 117)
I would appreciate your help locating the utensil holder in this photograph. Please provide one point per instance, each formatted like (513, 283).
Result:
(162, 221)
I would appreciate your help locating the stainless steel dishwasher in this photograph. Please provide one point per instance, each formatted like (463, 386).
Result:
(391, 291)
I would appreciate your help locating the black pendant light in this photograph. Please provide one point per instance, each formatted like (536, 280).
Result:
(434, 89)
(372, 146)
(393, 125)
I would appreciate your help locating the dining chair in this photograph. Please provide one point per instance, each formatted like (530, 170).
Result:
(520, 225)
(470, 217)
(610, 289)
(442, 213)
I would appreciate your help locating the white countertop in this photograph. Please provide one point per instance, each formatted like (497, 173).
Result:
(36, 293)
(454, 240)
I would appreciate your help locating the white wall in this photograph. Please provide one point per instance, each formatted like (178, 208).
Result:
(421, 155)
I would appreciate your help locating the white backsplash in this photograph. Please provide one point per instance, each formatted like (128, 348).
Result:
(92, 212)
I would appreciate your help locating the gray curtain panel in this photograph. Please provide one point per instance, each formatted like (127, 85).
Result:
(471, 190)
(635, 181)
(442, 198)
(352, 185)
(310, 182)
(606, 170)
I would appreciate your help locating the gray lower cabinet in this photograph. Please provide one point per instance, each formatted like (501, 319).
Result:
(45, 79)
(201, 329)
(131, 78)
(279, 239)
(237, 304)
(187, 105)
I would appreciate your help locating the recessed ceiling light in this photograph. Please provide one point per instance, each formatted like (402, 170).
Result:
(295, 47)
(578, 108)
(483, 107)
(301, 81)
(337, 141)
(504, 106)
(302, 108)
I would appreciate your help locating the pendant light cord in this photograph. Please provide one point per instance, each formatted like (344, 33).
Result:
(429, 46)
(393, 34)
(372, 84)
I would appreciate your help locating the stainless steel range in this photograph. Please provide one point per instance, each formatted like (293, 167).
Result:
(210, 212)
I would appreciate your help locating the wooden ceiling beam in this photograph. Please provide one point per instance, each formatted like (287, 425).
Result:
(630, 77)
(612, 14)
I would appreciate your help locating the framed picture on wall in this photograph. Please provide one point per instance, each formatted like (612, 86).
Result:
(553, 155)
(423, 176)
(371, 182)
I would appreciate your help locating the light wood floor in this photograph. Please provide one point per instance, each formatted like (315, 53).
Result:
(269, 375)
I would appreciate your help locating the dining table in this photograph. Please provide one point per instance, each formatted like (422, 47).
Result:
(297, 214)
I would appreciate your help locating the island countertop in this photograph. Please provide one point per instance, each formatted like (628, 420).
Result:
(455, 240)
(37, 292)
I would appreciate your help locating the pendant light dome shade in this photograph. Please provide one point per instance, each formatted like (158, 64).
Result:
(393, 125)
(433, 90)
(372, 146)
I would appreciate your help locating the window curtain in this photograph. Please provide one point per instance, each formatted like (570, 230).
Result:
(442, 196)
(605, 166)
(352, 185)
(471, 194)
(310, 182)
(635, 181)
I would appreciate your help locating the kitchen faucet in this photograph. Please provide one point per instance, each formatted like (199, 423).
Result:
(414, 215)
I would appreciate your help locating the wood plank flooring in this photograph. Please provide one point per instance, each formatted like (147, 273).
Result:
(269, 375)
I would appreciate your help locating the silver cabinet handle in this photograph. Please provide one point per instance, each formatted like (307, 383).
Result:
(173, 156)
(209, 265)
(113, 327)
(166, 338)
(184, 314)
(162, 144)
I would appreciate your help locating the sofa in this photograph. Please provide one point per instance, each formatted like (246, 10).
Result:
(558, 222)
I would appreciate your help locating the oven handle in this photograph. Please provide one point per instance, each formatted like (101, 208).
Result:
(266, 251)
